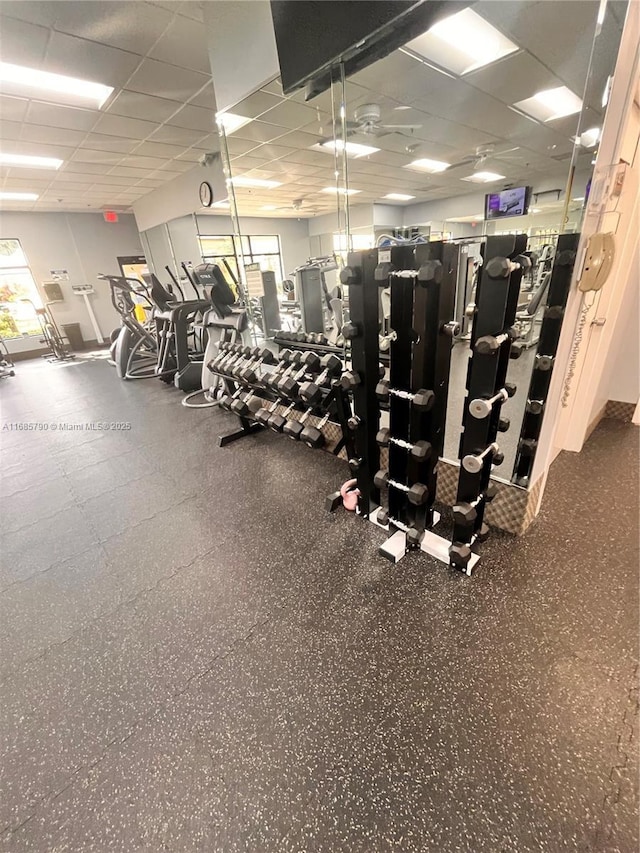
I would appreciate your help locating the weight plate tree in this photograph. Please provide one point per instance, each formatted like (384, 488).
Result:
(550, 327)
(491, 340)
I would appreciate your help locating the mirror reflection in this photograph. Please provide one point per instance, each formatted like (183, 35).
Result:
(487, 124)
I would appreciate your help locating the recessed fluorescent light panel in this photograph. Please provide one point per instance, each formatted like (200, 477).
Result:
(398, 197)
(551, 104)
(352, 149)
(339, 191)
(222, 203)
(56, 88)
(268, 207)
(18, 196)
(242, 181)
(26, 160)
(462, 43)
(231, 122)
(426, 165)
(483, 177)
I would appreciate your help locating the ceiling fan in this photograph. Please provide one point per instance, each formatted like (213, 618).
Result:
(484, 154)
(368, 122)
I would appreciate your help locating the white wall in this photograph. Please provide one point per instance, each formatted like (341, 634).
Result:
(180, 196)
(85, 245)
(621, 381)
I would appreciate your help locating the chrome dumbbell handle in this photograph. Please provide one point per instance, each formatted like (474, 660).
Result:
(481, 408)
(473, 464)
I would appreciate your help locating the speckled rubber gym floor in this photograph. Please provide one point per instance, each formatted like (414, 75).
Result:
(196, 657)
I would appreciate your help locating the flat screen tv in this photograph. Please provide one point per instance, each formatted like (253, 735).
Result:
(314, 36)
(511, 202)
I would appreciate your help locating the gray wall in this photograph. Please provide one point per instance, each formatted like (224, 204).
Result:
(85, 245)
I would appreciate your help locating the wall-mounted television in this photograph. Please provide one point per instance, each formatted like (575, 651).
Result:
(511, 202)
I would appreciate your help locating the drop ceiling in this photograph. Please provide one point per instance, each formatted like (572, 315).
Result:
(160, 119)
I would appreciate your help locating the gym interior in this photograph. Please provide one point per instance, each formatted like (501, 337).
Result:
(319, 362)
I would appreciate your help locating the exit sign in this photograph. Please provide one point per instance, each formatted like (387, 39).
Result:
(110, 216)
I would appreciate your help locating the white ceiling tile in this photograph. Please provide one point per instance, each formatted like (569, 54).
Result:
(42, 13)
(86, 155)
(158, 149)
(88, 60)
(106, 182)
(22, 43)
(514, 78)
(101, 142)
(175, 166)
(129, 128)
(256, 104)
(149, 163)
(184, 43)
(194, 118)
(52, 115)
(166, 81)
(131, 26)
(176, 136)
(237, 147)
(210, 142)
(191, 155)
(145, 107)
(206, 98)
(51, 135)
(149, 183)
(274, 88)
(126, 171)
(13, 109)
(260, 131)
(10, 129)
(85, 168)
(191, 9)
(290, 115)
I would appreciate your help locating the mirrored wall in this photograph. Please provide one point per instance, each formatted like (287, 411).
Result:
(486, 124)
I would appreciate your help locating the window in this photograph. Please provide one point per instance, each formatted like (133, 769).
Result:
(19, 295)
(263, 250)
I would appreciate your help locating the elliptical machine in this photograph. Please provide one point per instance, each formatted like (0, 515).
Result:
(134, 348)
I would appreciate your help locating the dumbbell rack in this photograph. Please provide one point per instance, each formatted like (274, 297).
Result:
(495, 310)
(422, 282)
(550, 328)
(334, 403)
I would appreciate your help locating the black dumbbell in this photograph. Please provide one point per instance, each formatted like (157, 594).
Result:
(311, 392)
(490, 344)
(465, 512)
(417, 494)
(276, 422)
(349, 331)
(227, 401)
(503, 424)
(283, 369)
(264, 413)
(294, 427)
(420, 451)
(527, 446)
(422, 400)
(535, 407)
(249, 373)
(459, 555)
(289, 385)
(313, 436)
(350, 380)
(230, 352)
(544, 362)
(223, 349)
(243, 407)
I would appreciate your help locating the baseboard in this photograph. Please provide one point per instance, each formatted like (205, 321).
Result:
(594, 423)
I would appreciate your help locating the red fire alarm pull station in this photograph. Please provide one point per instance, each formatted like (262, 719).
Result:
(110, 216)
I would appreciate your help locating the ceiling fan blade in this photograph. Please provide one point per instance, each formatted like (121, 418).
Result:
(464, 162)
(403, 126)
